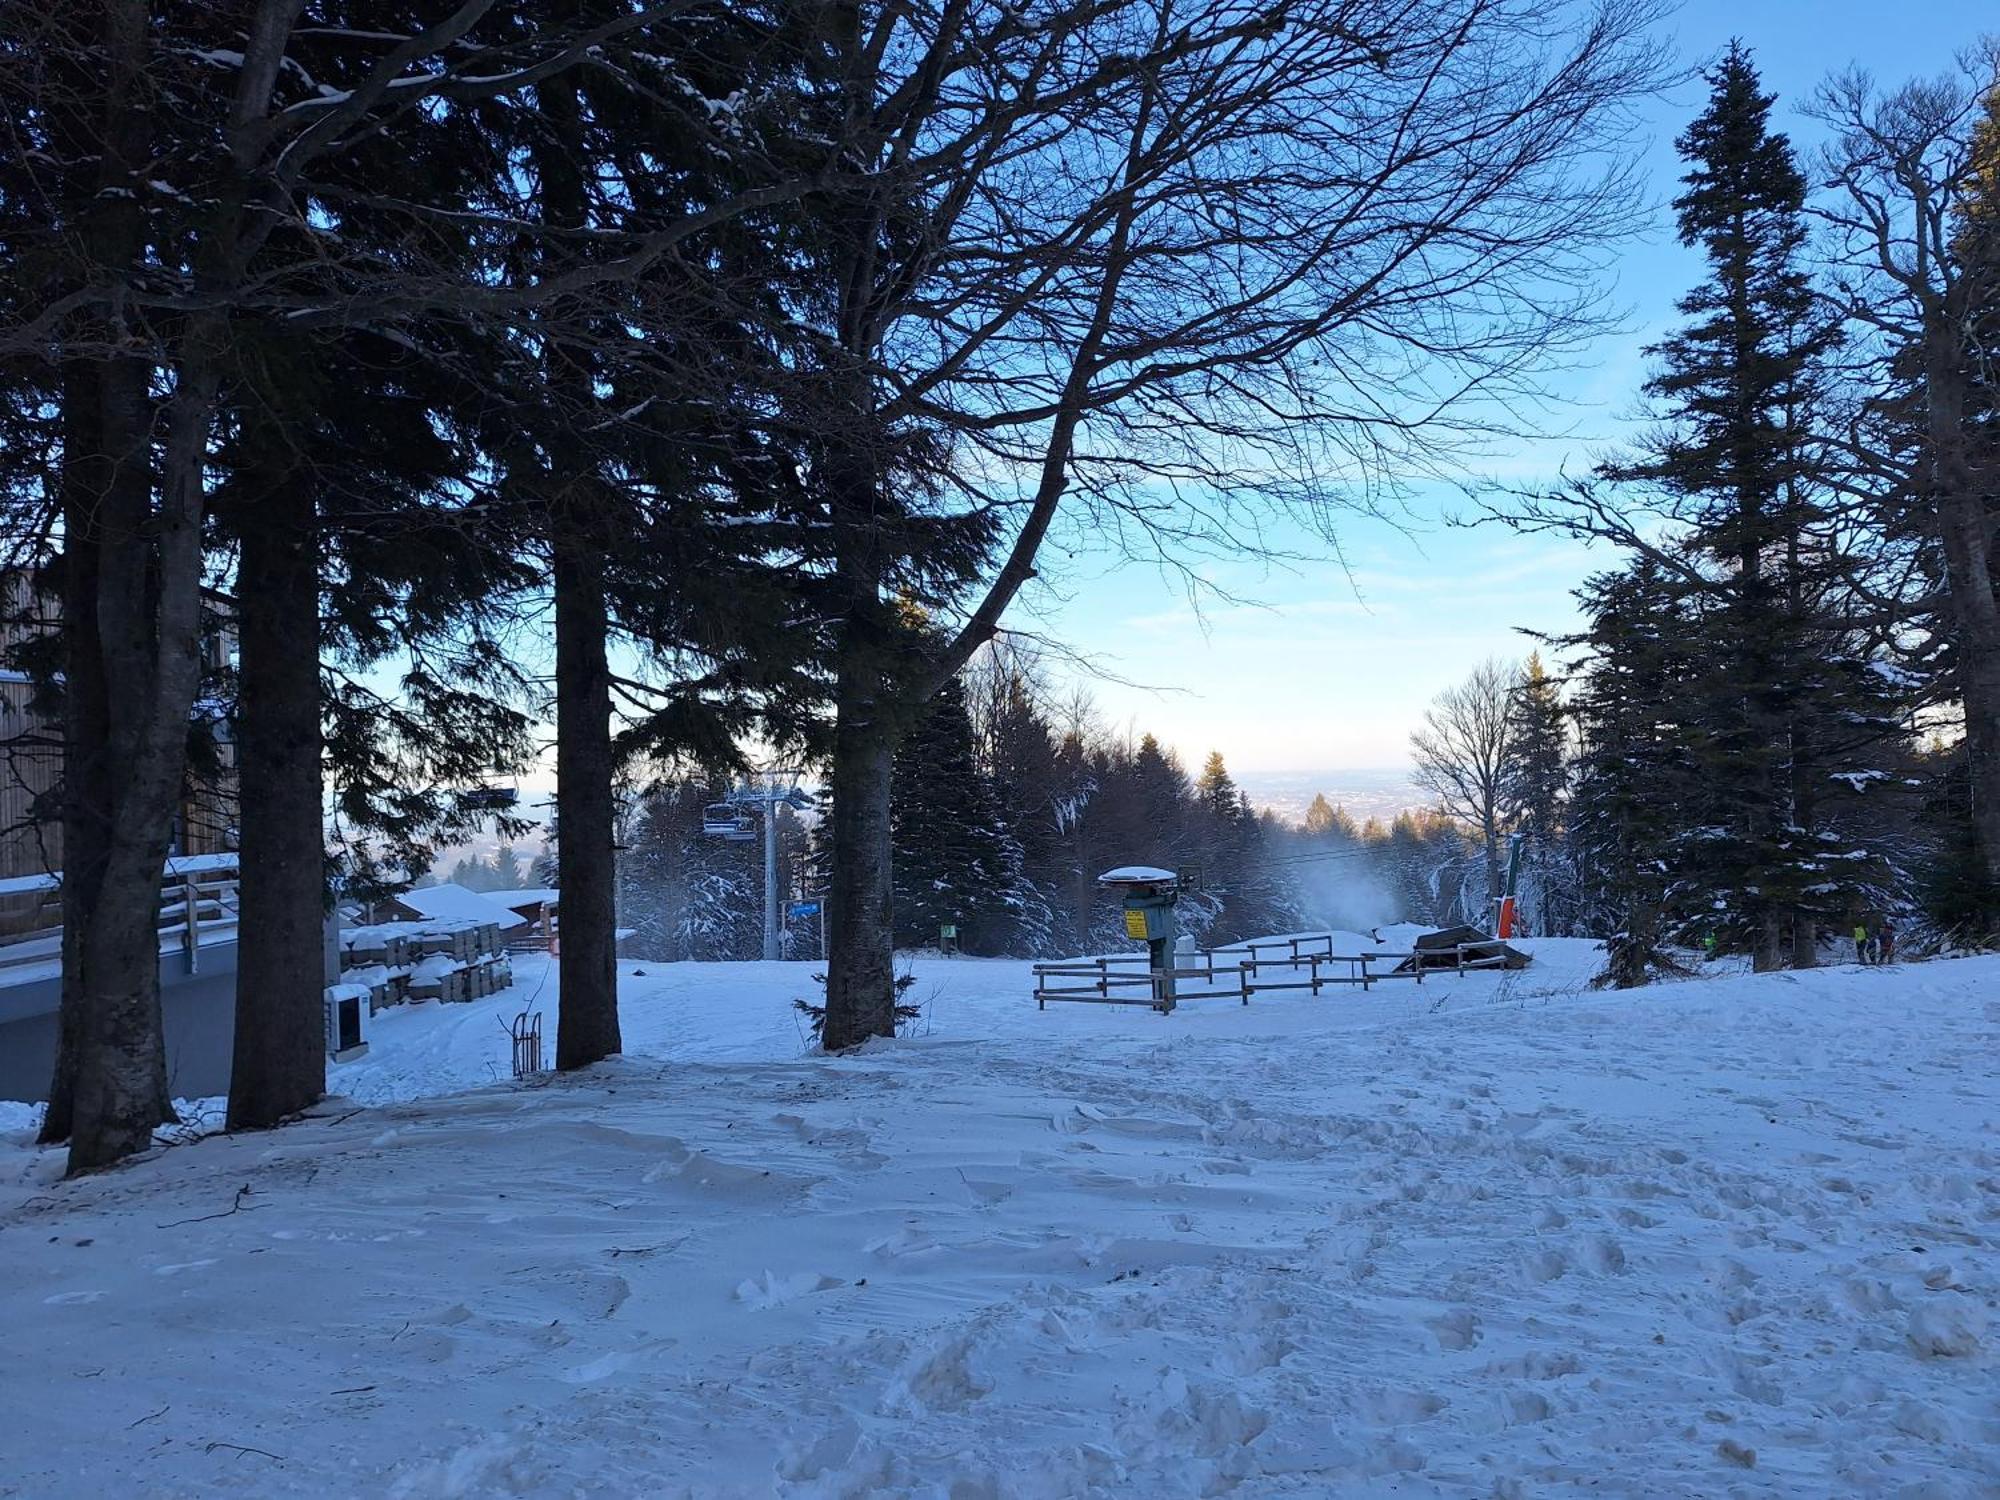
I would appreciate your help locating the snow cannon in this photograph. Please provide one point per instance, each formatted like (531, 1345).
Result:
(1149, 895)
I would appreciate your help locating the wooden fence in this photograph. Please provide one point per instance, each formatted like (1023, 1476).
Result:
(1307, 960)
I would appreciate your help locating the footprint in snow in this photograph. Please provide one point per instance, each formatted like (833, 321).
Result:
(770, 1289)
(1397, 1408)
(186, 1265)
(1545, 1265)
(1457, 1329)
(985, 1191)
(614, 1363)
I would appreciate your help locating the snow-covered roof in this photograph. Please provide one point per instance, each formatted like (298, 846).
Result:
(543, 896)
(456, 903)
(1136, 872)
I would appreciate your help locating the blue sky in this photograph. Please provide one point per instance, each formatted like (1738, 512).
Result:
(1335, 668)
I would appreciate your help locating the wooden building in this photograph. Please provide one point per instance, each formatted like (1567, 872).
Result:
(31, 740)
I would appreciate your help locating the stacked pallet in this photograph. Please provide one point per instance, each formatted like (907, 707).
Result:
(451, 960)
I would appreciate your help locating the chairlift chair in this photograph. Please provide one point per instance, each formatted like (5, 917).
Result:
(725, 820)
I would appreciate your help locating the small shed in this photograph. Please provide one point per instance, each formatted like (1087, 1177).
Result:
(537, 907)
(529, 904)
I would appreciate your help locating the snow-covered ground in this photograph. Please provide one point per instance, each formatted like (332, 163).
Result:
(1496, 1235)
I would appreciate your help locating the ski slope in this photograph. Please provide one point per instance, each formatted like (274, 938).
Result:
(1497, 1235)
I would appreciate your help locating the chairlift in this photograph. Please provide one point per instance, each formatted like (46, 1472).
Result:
(494, 799)
(726, 820)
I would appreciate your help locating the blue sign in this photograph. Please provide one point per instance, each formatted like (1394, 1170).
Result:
(805, 908)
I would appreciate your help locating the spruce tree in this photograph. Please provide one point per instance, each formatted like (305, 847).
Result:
(1535, 787)
(1637, 793)
(1783, 714)
(956, 862)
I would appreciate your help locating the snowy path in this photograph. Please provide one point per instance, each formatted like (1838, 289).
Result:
(1730, 1237)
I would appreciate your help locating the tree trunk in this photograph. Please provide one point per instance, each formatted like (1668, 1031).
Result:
(279, 1064)
(1494, 883)
(1965, 529)
(120, 1090)
(1805, 817)
(860, 969)
(587, 1013)
(106, 493)
(1805, 942)
(86, 792)
(149, 624)
(117, 1085)
(1769, 954)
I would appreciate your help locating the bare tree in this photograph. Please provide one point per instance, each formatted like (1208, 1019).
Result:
(1461, 755)
(1915, 267)
(1165, 271)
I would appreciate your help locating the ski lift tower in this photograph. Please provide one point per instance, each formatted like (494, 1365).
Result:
(733, 820)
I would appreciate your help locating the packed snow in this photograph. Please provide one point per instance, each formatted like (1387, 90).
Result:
(1491, 1235)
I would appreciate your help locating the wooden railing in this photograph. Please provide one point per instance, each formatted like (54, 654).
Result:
(1307, 960)
(197, 911)
(194, 910)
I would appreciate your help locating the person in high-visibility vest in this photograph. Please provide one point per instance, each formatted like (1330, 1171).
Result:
(1861, 942)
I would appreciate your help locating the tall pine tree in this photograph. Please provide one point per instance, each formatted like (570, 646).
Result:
(1783, 715)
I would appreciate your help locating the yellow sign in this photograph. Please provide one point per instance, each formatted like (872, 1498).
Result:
(1135, 924)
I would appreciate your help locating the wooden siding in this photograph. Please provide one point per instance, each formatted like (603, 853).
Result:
(31, 753)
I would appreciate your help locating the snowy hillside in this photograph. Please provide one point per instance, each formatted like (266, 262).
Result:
(1495, 1235)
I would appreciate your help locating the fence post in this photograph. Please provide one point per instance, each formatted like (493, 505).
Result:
(191, 914)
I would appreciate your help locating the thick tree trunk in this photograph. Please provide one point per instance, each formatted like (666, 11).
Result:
(106, 493)
(118, 1087)
(149, 622)
(120, 1090)
(860, 969)
(587, 1016)
(1769, 953)
(1967, 536)
(1805, 942)
(1965, 528)
(86, 791)
(279, 1064)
